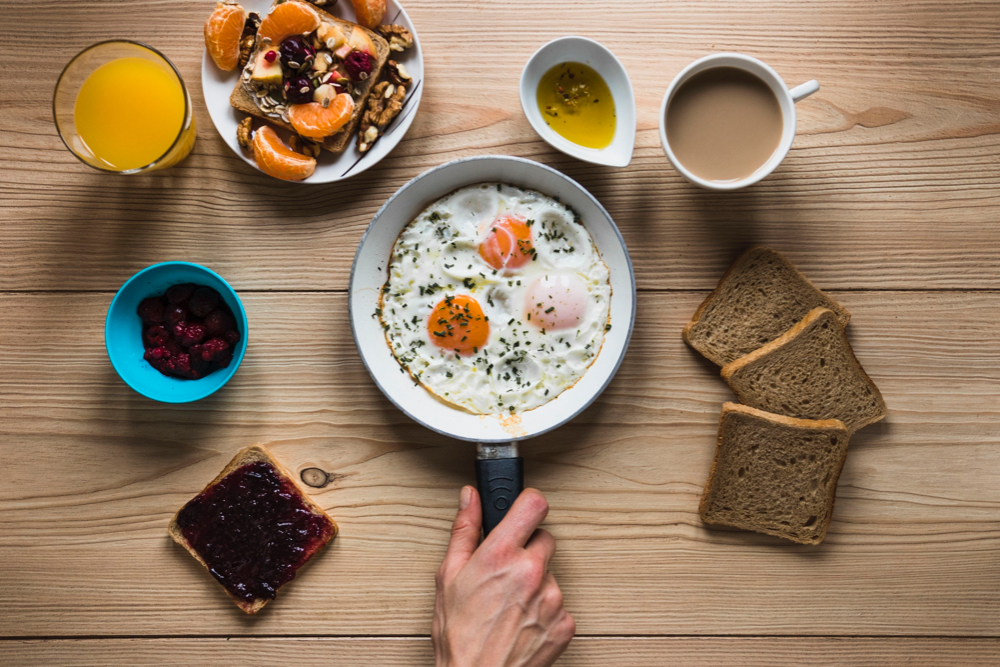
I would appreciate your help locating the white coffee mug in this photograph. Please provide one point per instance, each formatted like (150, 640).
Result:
(786, 100)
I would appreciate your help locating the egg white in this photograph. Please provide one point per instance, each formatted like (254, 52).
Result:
(521, 366)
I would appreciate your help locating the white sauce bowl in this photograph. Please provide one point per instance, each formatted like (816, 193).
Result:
(583, 50)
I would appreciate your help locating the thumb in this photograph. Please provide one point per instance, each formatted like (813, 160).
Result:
(465, 531)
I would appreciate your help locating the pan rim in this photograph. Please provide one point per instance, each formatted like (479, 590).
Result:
(390, 394)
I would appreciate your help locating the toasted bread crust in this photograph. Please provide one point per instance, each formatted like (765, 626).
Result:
(794, 422)
(821, 425)
(732, 368)
(251, 454)
(242, 100)
(687, 333)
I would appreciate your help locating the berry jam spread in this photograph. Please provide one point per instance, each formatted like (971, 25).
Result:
(253, 530)
(188, 332)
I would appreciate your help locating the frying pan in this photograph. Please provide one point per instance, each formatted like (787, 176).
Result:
(499, 469)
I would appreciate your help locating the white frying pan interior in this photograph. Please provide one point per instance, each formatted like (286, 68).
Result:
(370, 273)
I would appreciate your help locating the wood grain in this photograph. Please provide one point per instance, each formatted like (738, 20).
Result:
(583, 652)
(890, 197)
(97, 471)
(893, 181)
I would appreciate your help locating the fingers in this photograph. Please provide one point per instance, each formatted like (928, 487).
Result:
(542, 545)
(559, 624)
(563, 631)
(465, 530)
(559, 635)
(551, 598)
(529, 510)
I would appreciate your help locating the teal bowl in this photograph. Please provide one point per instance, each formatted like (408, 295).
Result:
(123, 333)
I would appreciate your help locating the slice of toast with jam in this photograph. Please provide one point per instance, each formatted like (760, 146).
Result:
(252, 527)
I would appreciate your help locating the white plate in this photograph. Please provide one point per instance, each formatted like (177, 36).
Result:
(370, 272)
(217, 86)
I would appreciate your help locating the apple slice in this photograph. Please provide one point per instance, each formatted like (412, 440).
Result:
(360, 41)
(331, 35)
(265, 71)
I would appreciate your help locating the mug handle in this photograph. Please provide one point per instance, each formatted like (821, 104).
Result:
(804, 91)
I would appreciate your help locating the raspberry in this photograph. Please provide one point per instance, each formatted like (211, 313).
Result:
(182, 364)
(157, 353)
(199, 366)
(188, 332)
(193, 334)
(214, 349)
(218, 322)
(178, 294)
(157, 336)
(151, 310)
(359, 65)
(203, 301)
(175, 314)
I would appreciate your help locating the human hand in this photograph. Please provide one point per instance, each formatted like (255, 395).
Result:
(497, 605)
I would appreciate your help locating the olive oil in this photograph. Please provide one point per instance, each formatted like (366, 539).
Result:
(576, 102)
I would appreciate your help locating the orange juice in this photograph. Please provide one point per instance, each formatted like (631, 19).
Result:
(130, 113)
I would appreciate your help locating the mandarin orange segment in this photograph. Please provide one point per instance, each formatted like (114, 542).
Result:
(276, 159)
(459, 325)
(287, 19)
(315, 121)
(223, 30)
(369, 12)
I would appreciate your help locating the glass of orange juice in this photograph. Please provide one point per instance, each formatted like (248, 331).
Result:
(121, 106)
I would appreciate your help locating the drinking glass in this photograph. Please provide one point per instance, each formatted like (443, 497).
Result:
(76, 74)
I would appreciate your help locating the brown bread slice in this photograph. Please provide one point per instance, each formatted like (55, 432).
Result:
(251, 454)
(243, 100)
(761, 296)
(809, 372)
(775, 475)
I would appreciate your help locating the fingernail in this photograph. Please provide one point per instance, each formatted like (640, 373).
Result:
(465, 497)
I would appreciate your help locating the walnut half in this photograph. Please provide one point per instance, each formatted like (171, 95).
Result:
(396, 73)
(384, 103)
(249, 38)
(399, 38)
(244, 132)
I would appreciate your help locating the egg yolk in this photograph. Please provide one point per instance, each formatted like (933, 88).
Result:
(556, 302)
(458, 324)
(508, 243)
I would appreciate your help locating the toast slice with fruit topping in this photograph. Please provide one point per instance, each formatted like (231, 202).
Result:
(253, 527)
(314, 71)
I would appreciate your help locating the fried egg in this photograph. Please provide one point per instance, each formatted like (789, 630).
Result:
(497, 299)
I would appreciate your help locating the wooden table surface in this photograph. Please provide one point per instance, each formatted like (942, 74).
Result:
(889, 199)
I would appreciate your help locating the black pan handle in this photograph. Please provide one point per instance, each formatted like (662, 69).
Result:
(500, 478)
